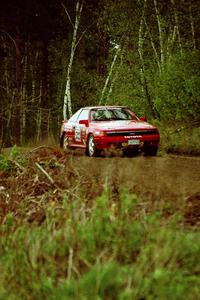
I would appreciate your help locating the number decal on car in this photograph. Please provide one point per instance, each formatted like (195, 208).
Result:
(77, 134)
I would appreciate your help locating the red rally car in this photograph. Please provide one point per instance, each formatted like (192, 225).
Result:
(100, 128)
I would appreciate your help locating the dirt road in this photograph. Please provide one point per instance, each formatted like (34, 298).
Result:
(168, 178)
(163, 176)
(168, 181)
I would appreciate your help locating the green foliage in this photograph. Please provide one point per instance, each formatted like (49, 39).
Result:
(109, 251)
(9, 220)
(117, 25)
(180, 139)
(100, 282)
(176, 90)
(14, 152)
(5, 164)
(85, 88)
(6, 161)
(127, 87)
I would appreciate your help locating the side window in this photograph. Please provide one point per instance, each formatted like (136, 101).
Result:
(83, 115)
(75, 116)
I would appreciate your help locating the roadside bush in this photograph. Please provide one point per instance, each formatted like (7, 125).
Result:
(180, 139)
(5, 164)
(11, 159)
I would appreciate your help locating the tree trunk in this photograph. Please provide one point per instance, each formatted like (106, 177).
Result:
(33, 62)
(7, 116)
(177, 25)
(145, 89)
(170, 41)
(39, 117)
(18, 74)
(160, 30)
(192, 26)
(153, 45)
(44, 89)
(110, 73)
(24, 98)
(102, 53)
(115, 77)
(5, 62)
(67, 105)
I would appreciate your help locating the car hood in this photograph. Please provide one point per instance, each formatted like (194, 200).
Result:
(122, 125)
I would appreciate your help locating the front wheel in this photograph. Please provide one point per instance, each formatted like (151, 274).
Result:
(64, 142)
(91, 147)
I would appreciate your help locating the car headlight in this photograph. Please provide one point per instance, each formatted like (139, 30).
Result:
(99, 133)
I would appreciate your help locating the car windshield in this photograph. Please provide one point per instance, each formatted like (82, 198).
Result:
(110, 114)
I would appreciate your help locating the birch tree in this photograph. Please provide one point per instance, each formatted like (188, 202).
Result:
(152, 42)
(177, 24)
(67, 105)
(160, 30)
(108, 78)
(115, 76)
(142, 34)
(192, 26)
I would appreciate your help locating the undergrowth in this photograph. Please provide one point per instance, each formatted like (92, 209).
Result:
(109, 249)
(12, 158)
(180, 139)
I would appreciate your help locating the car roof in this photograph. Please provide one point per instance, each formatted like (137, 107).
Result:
(104, 106)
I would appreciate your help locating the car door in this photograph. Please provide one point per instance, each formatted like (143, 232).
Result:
(80, 130)
(69, 127)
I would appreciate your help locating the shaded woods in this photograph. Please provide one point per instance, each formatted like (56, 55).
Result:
(144, 54)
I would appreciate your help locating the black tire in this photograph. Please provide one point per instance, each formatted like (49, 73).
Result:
(91, 147)
(130, 152)
(64, 142)
(150, 151)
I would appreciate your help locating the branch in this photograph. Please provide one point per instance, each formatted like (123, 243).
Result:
(185, 127)
(44, 172)
(70, 20)
(81, 36)
(17, 165)
(10, 37)
(39, 147)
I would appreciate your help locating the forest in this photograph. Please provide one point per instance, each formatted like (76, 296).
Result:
(112, 227)
(57, 56)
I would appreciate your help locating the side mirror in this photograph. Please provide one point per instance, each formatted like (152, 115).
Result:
(144, 119)
(84, 122)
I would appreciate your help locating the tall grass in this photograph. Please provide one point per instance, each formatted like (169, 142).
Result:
(107, 249)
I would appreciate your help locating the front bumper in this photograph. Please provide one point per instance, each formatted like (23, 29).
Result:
(121, 142)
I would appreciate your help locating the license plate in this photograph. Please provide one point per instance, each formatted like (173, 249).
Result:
(133, 142)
